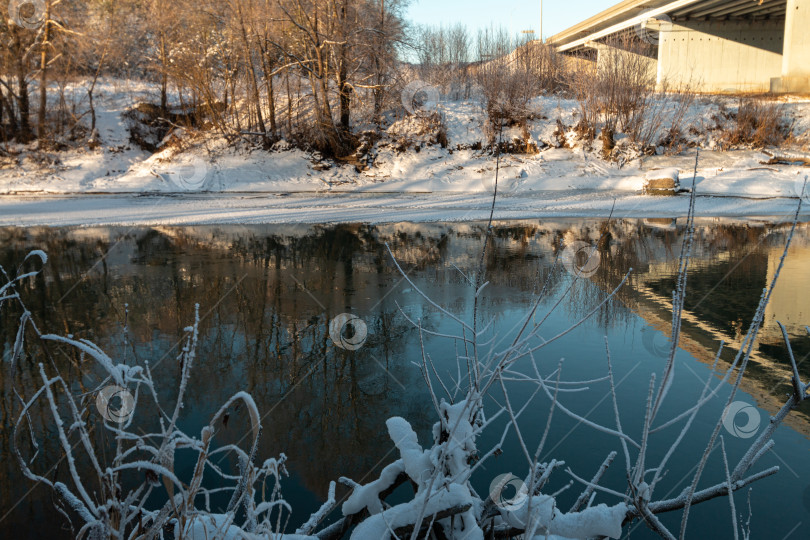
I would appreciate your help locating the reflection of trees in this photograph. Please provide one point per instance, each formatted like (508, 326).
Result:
(325, 404)
(263, 334)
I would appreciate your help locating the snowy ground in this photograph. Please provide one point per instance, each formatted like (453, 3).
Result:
(213, 183)
(60, 210)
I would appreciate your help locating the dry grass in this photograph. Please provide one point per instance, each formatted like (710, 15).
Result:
(757, 123)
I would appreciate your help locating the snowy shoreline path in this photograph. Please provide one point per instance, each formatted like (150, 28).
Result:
(255, 208)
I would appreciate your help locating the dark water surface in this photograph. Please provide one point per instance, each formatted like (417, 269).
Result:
(267, 294)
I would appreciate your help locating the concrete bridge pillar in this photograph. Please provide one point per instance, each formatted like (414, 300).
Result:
(796, 54)
(721, 56)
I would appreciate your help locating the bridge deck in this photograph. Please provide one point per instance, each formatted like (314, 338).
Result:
(630, 13)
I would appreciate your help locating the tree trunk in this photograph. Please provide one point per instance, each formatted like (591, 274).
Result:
(23, 105)
(327, 123)
(345, 97)
(254, 83)
(344, 90)
(289, 104)
(343, 87)
(3, 107)
(378, 67)
(164, 78)
(271, 98)
(90, 92)
(43, 75)
(271, 104)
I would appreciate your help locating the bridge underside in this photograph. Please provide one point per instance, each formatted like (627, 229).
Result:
(709, 45)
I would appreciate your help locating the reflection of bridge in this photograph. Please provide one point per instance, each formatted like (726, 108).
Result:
(701, 337)
(714, 45)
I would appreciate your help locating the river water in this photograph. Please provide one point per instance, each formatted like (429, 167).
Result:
(267, 294)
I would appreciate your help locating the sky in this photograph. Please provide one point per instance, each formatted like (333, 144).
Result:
(515, 15)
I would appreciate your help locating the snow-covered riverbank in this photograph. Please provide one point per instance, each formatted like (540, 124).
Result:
(60, 210)
(212, 181)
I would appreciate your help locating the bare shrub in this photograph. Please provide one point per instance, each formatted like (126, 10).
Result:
(616, 94)
(415, 130)
(662, 121)
(503, 86)
(510, 77)
(758, 123)
(619, 95)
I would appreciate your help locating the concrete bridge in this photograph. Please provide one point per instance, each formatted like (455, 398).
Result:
(712, 45)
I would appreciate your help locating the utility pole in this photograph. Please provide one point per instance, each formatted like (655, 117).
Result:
(541, 21)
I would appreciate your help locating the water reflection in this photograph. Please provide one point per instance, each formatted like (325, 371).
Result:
(267, 294)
